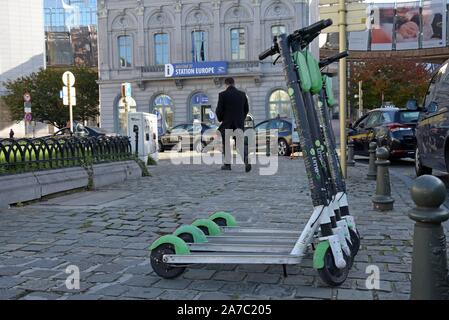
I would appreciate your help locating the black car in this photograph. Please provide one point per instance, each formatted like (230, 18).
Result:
(286, 138)
(432, 131)
(82, 131)
(188, 132)
(389, 127)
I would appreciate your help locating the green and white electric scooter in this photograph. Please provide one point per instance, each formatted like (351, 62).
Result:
(204, 242)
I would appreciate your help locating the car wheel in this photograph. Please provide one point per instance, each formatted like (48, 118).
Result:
(283, 148)
(160, 147)
(420, 169)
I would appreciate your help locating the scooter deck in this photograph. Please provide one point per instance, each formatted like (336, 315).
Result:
(261, 240)
(232, 258)
(258, 231)
(251, 248)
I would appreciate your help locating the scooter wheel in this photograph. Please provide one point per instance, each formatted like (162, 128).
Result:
(355, 239)
(330, 274)
(161, 268)
(187, 237)
(221, 222)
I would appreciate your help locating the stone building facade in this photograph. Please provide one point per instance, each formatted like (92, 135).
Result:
(137, 38)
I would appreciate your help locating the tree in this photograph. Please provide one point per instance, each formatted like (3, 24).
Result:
(389, 79)
(47, 106)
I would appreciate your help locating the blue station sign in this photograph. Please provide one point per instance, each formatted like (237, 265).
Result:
(196, 69)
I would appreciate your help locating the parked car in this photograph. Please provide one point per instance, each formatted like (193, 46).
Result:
(82, 131)
(432, 132)
(286, 136)
(188, 132)
(390, 127)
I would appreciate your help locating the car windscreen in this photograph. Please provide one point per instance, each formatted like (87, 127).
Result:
(98, 130)
(408, 116)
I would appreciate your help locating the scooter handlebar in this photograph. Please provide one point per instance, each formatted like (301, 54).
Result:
(325, 62)
(315, 28)
(267, 53)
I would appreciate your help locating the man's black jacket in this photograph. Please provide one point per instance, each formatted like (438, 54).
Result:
(232, 109)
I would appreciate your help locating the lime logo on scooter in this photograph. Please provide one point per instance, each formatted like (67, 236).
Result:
(315, 163)
(291, 92)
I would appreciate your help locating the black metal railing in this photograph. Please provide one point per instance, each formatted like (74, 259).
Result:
(23, 155)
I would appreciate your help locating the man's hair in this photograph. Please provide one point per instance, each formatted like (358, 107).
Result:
(229, 81)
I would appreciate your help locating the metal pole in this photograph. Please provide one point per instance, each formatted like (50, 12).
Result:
(343, 78)
(360, 99)
(70, 103)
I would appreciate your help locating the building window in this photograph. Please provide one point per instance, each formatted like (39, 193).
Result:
(277, 30)
(163, 107)
(161, 52)
(125, 48)
(238, 44)
(199, 46)
(279, 104)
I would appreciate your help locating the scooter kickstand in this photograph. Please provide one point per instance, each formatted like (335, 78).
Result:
(284, 268)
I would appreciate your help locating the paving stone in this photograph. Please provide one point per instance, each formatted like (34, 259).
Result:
(10, 282)
(141, 281)
(172, 284)
(313, 292)
(229, 276)
(38, 284)
(239, 288)
(143, 292)
(41, 273)
(7, 294)
(393, 296)
(207, 285)
(298, 280)
(103, 277)
(40, 296)
(214, 296)
(84, 297)
(345, 294)
(263, 278)
(45, 263)
(11, 270)
(114, 290)
(271, 290)
(178, 295)
(198, 274)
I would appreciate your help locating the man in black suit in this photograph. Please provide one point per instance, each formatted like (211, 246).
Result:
(231, 111)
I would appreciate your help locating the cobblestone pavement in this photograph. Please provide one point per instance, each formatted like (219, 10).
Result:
(106, 233)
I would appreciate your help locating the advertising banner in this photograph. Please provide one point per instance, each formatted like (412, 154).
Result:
(407, 25)
(434, 25)
(382, 27)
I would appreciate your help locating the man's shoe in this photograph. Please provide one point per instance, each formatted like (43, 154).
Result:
(248, 168)
(226, 167)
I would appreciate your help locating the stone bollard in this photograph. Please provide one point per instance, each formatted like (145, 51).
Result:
(382, 200)
(372, 171)
(350, 162)
(430, 279)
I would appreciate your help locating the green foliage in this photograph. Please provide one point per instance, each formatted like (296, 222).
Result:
(396, 80)
(44, 87)
(151, 161)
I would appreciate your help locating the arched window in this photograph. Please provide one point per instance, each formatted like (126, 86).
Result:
(164, 108)
(279, 104)
(198, 103)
